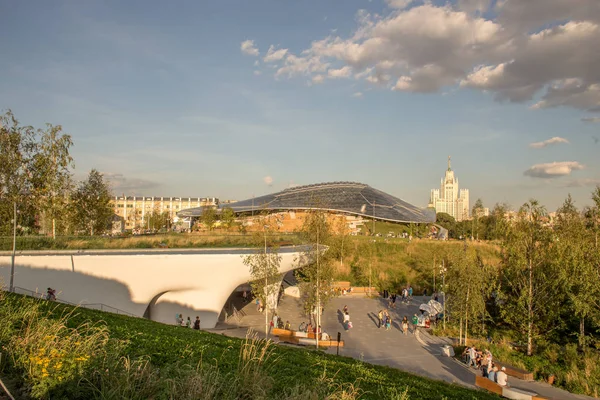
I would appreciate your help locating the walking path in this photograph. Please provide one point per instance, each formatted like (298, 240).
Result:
(419, 353)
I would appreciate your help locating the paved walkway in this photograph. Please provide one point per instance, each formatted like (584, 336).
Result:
(419, 353)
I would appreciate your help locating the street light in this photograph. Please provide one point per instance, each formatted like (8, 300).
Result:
(443, 273)
(14, 249)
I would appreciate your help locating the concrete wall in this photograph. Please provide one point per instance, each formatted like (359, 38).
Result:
(159, 283)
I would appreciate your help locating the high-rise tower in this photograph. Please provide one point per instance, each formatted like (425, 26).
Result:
(449, 198)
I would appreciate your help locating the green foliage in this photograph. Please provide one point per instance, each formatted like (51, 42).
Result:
(144, 359)
(90, 204)
(208, 217)
(317, 274)
(531, 285)
(227, 217)
(264, 264)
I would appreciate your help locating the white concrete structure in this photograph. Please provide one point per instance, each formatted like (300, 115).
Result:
(449, 198)
(155, 283)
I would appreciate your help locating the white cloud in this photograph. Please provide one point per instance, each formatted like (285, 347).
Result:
(398, 4)
(129, 186)
(268, 180)
(256, 63)
(343, 72)
(545, 143)
(257, 72)
(591, 119)
(553, 170)
(275, 55)
(357, 94)
(529, 49)
(248, 47)
(317, 79)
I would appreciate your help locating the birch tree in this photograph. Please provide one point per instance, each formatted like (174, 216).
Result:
(264, 267)
(531, 288)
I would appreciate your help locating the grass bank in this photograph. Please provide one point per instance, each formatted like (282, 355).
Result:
(55, 351)
(170, 240)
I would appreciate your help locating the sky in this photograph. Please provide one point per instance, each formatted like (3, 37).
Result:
(231, 99)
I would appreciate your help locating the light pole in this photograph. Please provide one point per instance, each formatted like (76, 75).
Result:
(266, 287)
(443, 273)
(318, 290)
(14, 249)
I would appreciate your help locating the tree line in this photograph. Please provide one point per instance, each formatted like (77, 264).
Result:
(36, 176)
(547, 286)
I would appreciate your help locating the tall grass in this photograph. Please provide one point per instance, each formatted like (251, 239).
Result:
(52, 361)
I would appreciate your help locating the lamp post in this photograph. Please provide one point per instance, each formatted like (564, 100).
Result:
(14, 249)
(443, 273)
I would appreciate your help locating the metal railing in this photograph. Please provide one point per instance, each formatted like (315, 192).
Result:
(91, 306)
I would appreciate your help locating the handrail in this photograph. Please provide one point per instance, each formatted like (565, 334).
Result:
(91, 306)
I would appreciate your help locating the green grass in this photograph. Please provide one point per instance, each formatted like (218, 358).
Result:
(166, 346)
(171, 240)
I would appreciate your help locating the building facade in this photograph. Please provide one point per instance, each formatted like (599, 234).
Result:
(449, 198)
(134, 212)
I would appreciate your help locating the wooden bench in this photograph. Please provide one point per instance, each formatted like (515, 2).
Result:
(488, 385)
(515, 372)
(505, 391)
(309, 341)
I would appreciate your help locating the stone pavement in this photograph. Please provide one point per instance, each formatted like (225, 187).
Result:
(419, 353)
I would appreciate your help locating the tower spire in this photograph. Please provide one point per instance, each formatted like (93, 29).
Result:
(449, 169)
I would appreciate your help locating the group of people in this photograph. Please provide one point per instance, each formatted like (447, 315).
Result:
(187, 323)
(484, 361)
(309, 328)
(277, 322)
(342, 291)
(406, 294)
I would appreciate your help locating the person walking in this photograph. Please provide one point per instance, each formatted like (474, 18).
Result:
(405, 325)
(380, 318)
(188, 323)
(347, 323)
(197, 323)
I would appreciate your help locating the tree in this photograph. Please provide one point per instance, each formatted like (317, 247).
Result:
(575, 250)
(341, 239)
(530, 285)
(447, 221)
(52, 176)
(90, 203)
(208, 217)
(264, 268)
(316, 276)
(476, 213)
(227, 217)
(17, 150)
(470, 283)
(158, 220)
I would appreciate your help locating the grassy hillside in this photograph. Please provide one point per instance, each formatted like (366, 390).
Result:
(395, 262)
(64, 353)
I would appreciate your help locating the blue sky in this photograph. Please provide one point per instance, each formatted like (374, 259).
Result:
(165, 99)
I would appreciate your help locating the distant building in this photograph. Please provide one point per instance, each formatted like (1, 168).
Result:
(449, 198)
(135, 211)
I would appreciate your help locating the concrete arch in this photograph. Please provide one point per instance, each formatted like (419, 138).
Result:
(156, 281)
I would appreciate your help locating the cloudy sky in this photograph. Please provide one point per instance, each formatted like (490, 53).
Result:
(239, 98)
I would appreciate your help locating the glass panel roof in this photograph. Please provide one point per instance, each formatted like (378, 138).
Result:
(348, 197)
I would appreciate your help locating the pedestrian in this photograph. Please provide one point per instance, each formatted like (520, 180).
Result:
(347, 320)
(178, 318)
(197, 323)
(405, 325)
(51, 294)
(188, 323)
(380, 318)
(388, 323)
(415, 322)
